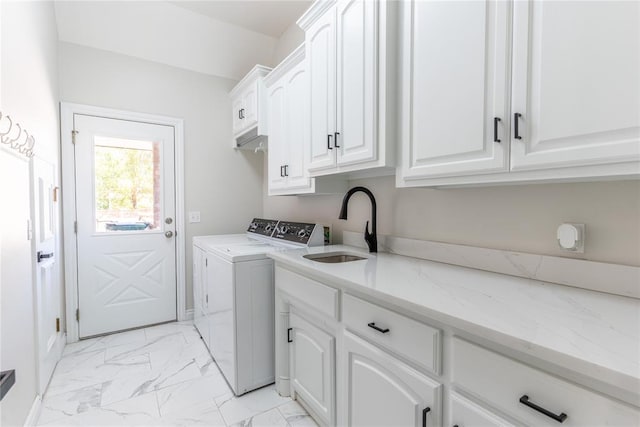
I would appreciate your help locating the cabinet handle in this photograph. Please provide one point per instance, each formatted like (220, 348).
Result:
(239, 114)
(329, 142)
(372, 325)
(286, 170)
(242, 113)
(516, 131)
(281, 171)
(424, 416)
(496, 120)
(289, 335)
(335, 139)
(559, 418)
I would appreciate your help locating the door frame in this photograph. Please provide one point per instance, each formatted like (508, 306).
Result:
(69, 212)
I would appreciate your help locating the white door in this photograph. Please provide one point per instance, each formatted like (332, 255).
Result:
(382, 391)
(357, 81)
(47, 280)
(321, 66)
(125, 202)
(277, 136)
(575, 83)
(297, 108)
(312, 367)
(454, 88)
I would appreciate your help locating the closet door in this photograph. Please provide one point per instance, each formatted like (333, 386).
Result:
(575, 83)
(357, 81)
(454, 88)
(320, 57)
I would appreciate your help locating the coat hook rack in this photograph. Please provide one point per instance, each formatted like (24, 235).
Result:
(16, 138)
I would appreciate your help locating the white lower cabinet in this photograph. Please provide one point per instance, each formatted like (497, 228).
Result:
(312, 366)
(531, 395)
(465, 413)
(383, 391)
(356, 362)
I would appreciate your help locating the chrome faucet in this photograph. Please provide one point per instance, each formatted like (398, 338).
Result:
(370, 238)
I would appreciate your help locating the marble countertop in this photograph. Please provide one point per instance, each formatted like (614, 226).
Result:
(588, 332)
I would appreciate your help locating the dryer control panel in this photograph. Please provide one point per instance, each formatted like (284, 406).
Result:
(263, 227)
(296, 232)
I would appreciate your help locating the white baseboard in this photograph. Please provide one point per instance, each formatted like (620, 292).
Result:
(34, 412)
(188, 314)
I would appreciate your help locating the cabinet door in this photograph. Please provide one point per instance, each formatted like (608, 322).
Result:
(312, 367)
(357, 71)
(297, 107)
(237, 115)
(575, 83)
(320, 57)
(465, 413)
(383, 391)
(250, 105)
(277, 135)
(454, 84)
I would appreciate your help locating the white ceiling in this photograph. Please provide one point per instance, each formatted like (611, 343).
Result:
(267, 17)
(163, 32)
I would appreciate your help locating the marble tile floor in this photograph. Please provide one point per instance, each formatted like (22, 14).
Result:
(157, 376)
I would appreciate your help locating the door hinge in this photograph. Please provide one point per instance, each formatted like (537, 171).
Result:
(75, 227)
(73, 136)
(289, 335)
(77, 314)
(57, 324)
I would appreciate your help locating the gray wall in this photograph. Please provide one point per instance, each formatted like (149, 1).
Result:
(29, 94)
(225, 185)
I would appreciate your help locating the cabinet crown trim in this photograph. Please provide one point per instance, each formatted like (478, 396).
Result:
(315, 11)
(256, 72)
(294, 58)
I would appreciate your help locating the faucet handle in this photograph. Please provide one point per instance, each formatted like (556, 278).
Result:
(366, 231)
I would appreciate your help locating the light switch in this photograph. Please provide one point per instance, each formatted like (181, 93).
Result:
(194, 217)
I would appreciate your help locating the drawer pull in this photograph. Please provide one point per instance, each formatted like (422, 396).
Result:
(377, 328)
(559, 418)
(424, 416)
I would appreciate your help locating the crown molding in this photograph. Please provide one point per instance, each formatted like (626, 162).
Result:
(256, 72)
(293, 59)
(315, 11)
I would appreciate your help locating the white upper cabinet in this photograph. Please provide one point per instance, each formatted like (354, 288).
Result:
(501, 91)
(576, 83)
(289, 134)
(454, 75)
(249, 107)
(351, 84)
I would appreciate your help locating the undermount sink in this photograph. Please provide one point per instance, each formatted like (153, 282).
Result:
(334, 257)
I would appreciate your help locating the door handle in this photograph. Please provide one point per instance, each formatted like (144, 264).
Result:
(516, 129)
(169, 234)
(329, 142)
(168, 220)
(42, 255)
(496, 120)
(335, 139)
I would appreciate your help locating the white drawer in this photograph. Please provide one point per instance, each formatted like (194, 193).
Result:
(465, 413)
(502, 382)
(321, 297)
(407, 337)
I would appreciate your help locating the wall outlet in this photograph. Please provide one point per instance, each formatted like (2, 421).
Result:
(571, 237)
(194, 217)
